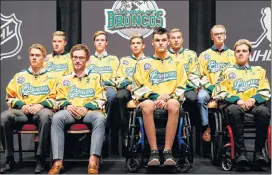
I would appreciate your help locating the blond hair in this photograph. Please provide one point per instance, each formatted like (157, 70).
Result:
(39, 47)
(80, 47)
(100, 33)
(243, 41)
(136, 35)
(175, 30)
(218, 26)
(59, 33)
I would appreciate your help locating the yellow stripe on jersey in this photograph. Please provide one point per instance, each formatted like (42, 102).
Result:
(59, 65)
(155, 77)
(237, 83)
(26, 88)
(106, 66)
(212, 62)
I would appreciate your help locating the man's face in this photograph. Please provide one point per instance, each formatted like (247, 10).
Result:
(242, 54)
(136, 46)
(58, 44)
(79, 60)
(100, 43)
(36, 58)
(218, 35)
(176, 40)
(160, 43)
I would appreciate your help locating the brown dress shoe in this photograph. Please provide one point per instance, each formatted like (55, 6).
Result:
(92, 169)
(207, 135)
(56, 168)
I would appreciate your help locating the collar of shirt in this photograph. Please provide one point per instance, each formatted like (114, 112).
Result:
(102, 55)
(62, 53)
(215, 49)
(42, 71)
(173, 52)
(141, 57)
(84, 75)
(245, 67)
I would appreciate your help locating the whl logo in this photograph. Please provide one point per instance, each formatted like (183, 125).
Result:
(10, 35)
(128, 17)
(263, 53)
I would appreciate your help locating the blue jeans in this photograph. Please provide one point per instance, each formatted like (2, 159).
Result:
(111, 94)
(203, 99)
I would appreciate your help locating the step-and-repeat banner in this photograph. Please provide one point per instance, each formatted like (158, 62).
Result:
(248, 20)
(23, 23)
(120, 19)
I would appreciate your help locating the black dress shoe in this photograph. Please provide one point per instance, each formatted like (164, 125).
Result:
(259, 158)
(242, 159)
(8, 167)
(39, 167)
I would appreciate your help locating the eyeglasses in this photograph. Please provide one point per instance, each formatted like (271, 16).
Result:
(217, 34)
(80, 58)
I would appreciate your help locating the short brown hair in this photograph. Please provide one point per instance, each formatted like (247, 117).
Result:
(39, 47)
(218, 26)
(175, 30)
(243, 41)
(80, 47)
(136, 35)
(100, 33)
(160, 31)
(59, 33)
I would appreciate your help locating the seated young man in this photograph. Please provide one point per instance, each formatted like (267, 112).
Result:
(245, 88)
(161, 83)
(31, 97)
(80, 96)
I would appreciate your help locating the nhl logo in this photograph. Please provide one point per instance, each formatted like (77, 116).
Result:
(11, 39)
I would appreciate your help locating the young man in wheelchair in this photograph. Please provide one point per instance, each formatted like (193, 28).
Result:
(161, 84)
(245, 89)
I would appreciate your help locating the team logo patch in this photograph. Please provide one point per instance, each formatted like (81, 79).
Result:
(20, 80)
(147, 66)
(207, 56)
(232, 75)
(125, 62)
(66, 83)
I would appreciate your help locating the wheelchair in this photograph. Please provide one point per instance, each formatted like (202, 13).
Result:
(137, 143)
(222, 139)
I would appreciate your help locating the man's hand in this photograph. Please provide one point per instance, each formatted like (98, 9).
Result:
(160, 103)
(26, 108)
(164, 97)
(73, 110)
(250, 103)
(242, 104)
(129, 87)
(82, 111)
(35, 108)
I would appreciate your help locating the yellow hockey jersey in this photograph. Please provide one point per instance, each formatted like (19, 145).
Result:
(27, 88)
(237, 83)
(106, 66)
(59, 64)
(86, 91)
(155, 77)
(212, 62)
(190, 61)
(126, 70)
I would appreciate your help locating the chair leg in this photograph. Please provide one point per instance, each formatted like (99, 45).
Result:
(20, 148)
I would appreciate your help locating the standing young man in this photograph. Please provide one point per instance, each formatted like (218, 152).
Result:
(212, 61)
(59, 61)
(190, 61)
(30, 97)
(161, 82)
(80, 97)
(245, 88)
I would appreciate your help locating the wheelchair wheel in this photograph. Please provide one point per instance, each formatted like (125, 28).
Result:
(189, 139)
(183, 166)
(132, 165)
(216, 141)
(226, 164)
